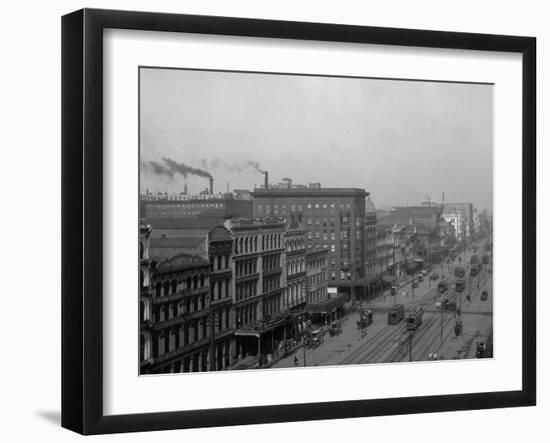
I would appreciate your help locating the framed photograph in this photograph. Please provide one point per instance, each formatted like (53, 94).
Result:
(269, 221)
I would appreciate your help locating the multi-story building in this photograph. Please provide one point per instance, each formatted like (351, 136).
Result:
(316, 276)
(145, 306)
(221, 315)
(175, 328)
(191, 205)
(258, 284)
(185, 306)
(370, 246)
(456, 221)
(333, 218)
(422, 224)
(295, 267)
(466, 215)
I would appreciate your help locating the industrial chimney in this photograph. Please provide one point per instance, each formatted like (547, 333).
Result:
(211, 186)
(266, 180)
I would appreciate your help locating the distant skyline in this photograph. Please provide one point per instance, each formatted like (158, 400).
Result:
(399, 140)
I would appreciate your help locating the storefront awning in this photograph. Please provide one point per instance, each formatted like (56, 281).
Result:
(328, 306)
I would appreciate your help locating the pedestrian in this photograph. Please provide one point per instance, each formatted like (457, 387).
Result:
(295, 360)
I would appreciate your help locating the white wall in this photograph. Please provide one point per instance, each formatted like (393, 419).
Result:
(30, 179)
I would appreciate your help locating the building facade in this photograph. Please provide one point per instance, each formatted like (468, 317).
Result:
(333, 218)
(466, 215)
(175, 327)
(258, 263)
(295, 267)
(191, 205)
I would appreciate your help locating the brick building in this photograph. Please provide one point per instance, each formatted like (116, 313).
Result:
(333, 218)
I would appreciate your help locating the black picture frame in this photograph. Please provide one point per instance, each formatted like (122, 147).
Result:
(82, 218)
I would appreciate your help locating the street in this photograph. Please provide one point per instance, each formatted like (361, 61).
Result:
(435, 337)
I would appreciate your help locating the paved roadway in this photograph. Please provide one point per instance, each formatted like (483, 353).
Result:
(390, 343)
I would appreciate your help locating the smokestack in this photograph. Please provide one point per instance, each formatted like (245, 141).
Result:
(211, 186)
(443, 197)
(185, 188)
(266, 179)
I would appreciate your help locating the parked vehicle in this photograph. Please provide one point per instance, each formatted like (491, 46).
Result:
(485, 259)
(448, 305)
(480, 349)
(460, 285)
(420, 277)
(414, 319)
(484, 295)
(442, 286)
(474, 260)
(396, 314)
(434, 276)
(335, 329)
(316, 338)
(475, 269)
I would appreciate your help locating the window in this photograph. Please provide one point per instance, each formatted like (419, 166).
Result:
(332, 248)
(309, 221)
(309, 205)
(316, 205)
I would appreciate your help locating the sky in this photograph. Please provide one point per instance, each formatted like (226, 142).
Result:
(399, 140)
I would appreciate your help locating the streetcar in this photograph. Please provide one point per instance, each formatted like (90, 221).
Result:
(396, 314)
(460, 285)
(475, 269)
(414, 319)
(365, 320)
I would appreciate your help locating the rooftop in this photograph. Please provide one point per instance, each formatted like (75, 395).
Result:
(177, 242)
(206, 223)
(310, 192)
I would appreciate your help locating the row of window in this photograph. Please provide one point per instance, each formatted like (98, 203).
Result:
(246, 290)
(246, 314)
(189, 333)
(271, 262)
(317, 296)
(270, 283)
(167, 311)
(295, 266)
(300, 207)
(201, 361)
(295, 245)
(219, 262)
(169, 287)
(248, 244)
(220, 289)
(246, 267)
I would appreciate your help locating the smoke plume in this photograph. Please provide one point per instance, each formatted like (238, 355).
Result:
(171, 167)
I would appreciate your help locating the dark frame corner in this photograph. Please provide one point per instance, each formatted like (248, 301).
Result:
(82, 152)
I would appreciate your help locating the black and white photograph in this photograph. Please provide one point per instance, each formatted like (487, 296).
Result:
(294, 221)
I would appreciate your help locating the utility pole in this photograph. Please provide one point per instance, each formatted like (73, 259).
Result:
(441, 323)
(410, 345)
(305, 351)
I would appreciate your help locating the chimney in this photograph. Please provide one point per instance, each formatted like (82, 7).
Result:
(185, 188)
(211, 186)
(266, 179)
